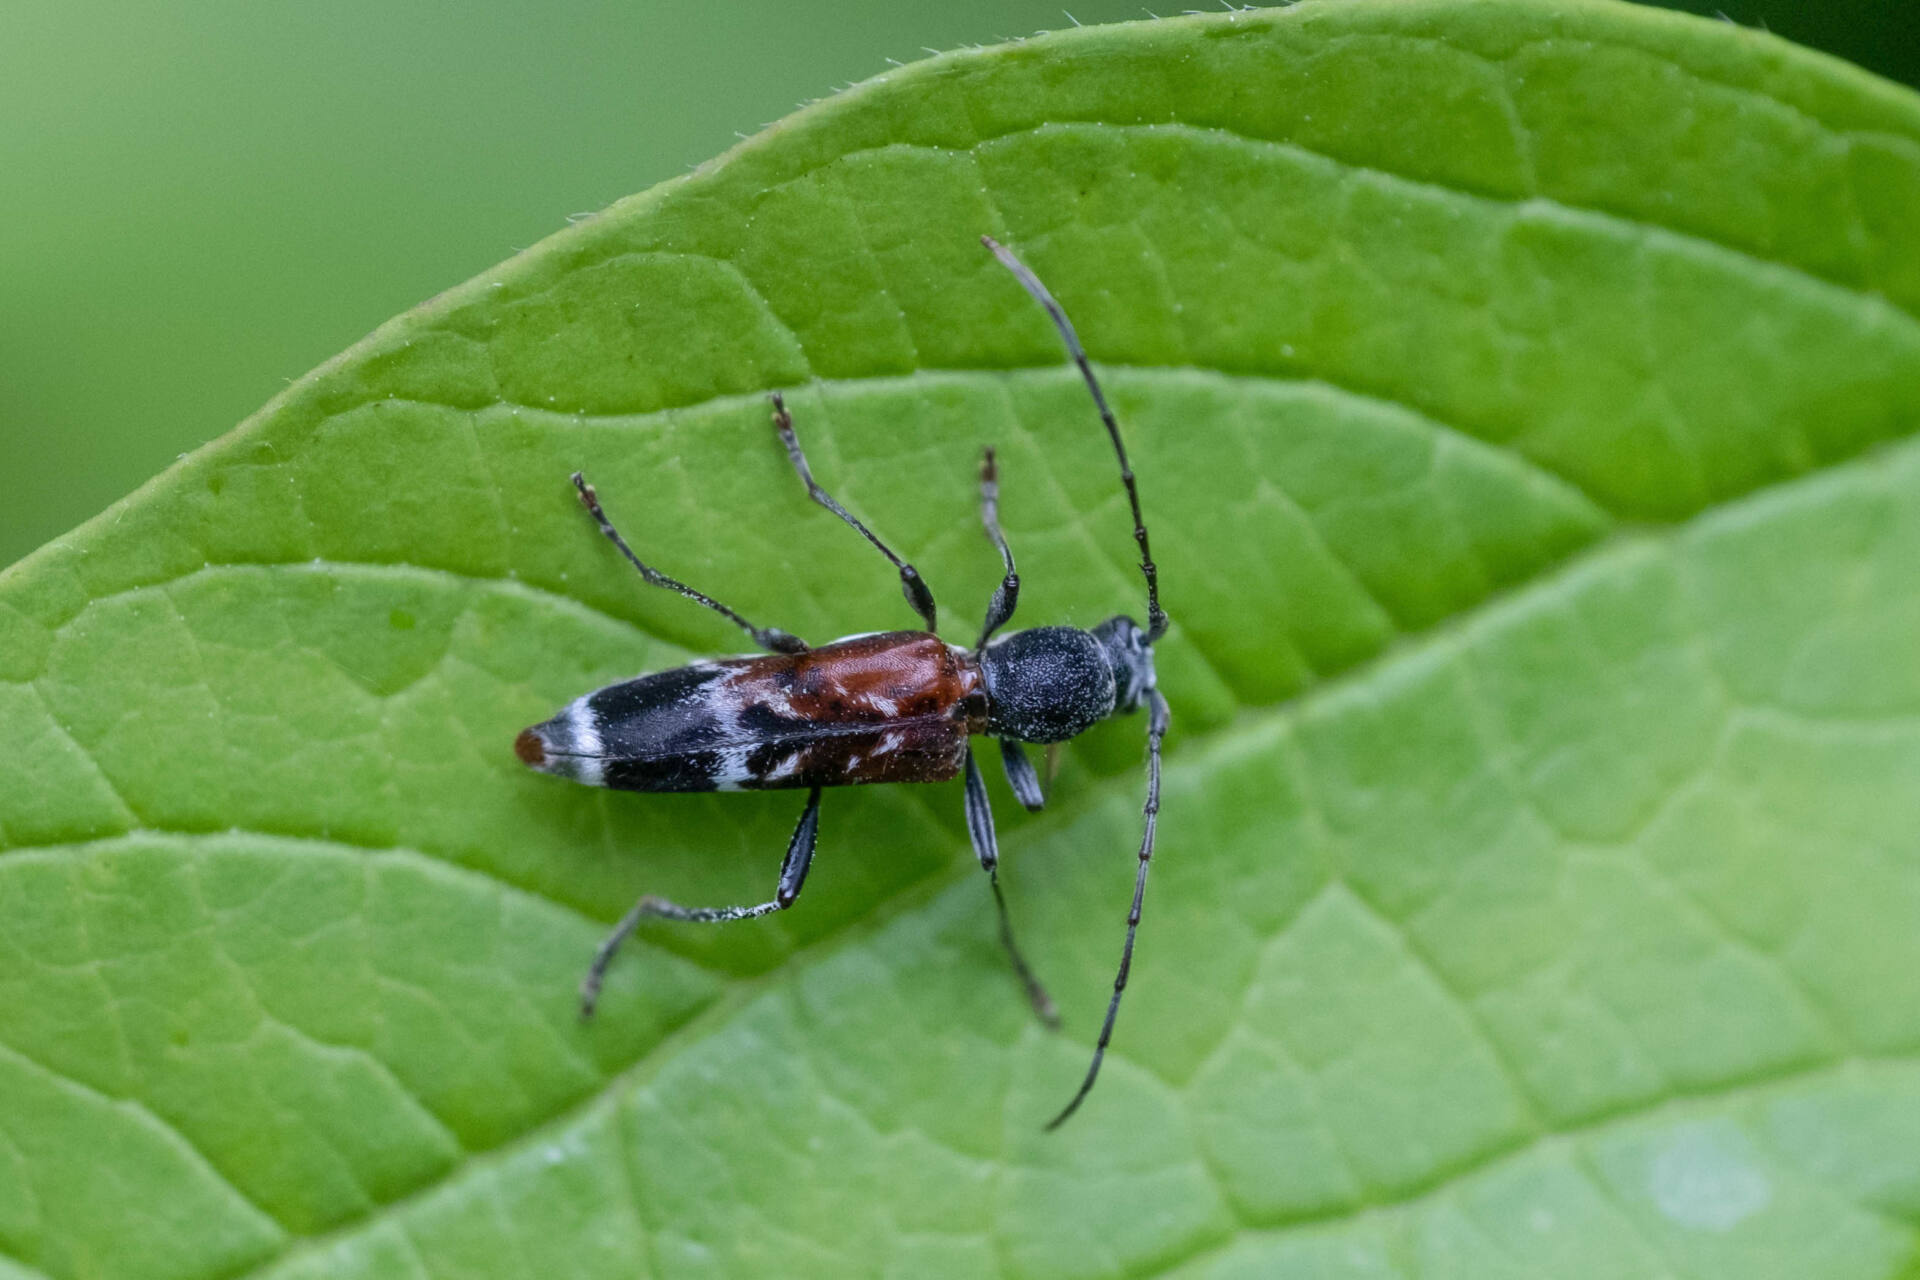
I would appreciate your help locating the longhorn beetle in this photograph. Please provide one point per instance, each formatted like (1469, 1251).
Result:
(896, 706)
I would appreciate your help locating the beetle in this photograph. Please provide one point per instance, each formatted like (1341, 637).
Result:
(892, 706)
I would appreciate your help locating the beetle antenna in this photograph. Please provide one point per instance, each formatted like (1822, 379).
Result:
(1158, 717)
(1156, 617)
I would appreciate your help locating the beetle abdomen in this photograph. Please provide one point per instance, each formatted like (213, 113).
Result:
(892, 707)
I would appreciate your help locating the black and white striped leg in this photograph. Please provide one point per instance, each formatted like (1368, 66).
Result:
(911, 584)
(986, 847)
(770, 638)
(793, 874)
(1007, 595)
(1158, 717)
(1021, 776)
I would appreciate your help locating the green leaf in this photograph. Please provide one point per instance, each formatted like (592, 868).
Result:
(1525, 398)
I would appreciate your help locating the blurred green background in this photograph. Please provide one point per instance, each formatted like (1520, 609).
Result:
(204, 199)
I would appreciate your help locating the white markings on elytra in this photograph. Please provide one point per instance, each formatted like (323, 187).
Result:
(719, 705)
(584, 747)
(732, 770)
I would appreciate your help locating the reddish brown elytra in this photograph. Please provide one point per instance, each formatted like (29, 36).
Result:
(896, 706)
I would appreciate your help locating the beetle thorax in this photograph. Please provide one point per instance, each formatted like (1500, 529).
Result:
(1048, 684)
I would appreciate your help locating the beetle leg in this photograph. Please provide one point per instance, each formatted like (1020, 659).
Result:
(987, 848)
(793, 874)
(1007, 595)
(770, 638)
(912, 585)
(1021, 776)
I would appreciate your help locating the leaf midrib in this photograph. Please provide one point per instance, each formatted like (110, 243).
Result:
(1537, 469)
